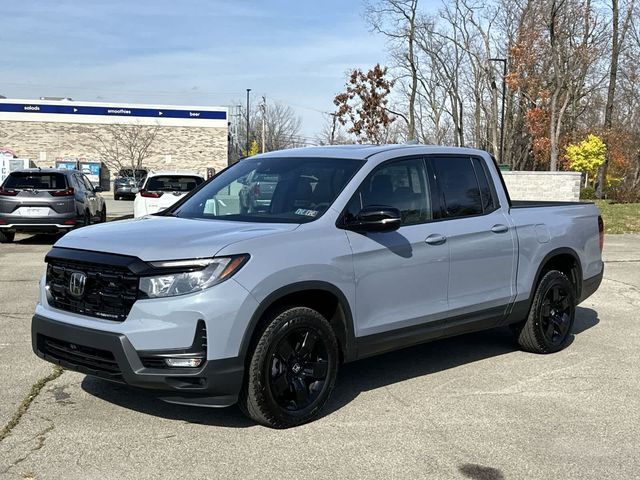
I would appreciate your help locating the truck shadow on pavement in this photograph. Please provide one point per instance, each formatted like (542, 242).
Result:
(353, 379)
(40, 239)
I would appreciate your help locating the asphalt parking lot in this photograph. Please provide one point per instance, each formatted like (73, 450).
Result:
(468, 407)
(119, 208)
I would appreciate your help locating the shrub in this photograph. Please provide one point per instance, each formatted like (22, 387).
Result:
(587, 193)
(624, 192)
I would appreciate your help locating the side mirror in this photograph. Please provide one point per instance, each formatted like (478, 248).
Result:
(375, 218)
(98, 189)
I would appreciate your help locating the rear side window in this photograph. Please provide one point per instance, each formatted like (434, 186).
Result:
(35, 181)
(459, 187)
(173, 183)
(486, 194)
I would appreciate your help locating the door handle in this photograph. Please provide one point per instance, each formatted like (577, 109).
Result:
(435, 239)
(499, 228)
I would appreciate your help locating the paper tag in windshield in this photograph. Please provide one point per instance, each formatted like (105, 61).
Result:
(306, 213)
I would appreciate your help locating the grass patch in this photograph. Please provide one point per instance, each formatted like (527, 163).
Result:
(620, 217)
(24, 405)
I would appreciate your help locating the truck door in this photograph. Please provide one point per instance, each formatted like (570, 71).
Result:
(481, 238)
(401, 277)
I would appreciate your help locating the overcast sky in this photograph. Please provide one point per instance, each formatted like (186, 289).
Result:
(194, 52)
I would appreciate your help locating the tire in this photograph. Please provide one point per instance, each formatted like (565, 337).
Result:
(7, 237)
(292, 370)
(103, 215)
(548, 326)
(116, 197)
(87, 219)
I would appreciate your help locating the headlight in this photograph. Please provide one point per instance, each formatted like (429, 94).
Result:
(209, 272)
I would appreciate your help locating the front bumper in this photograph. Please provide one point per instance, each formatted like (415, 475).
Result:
(111, 356)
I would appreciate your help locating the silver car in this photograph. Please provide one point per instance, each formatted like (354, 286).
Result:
(48, 201)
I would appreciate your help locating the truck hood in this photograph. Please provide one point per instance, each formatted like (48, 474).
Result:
(167, 238)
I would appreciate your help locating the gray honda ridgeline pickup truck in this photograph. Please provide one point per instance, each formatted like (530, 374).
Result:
(361, 250)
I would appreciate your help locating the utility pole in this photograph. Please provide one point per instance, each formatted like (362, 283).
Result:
(247, 151)
(504, 94)
(263, 107)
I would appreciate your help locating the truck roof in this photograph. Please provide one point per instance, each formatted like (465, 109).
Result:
(364, 151)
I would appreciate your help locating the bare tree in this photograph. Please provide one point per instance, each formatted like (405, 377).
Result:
(282, 126)
(332, 132)
(124, 146)
(444, 60)
(396, 19)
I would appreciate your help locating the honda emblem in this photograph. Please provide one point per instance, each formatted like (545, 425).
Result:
(76, 284)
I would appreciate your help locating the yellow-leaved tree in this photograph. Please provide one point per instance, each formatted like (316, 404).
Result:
(587, 156)
(253, 149)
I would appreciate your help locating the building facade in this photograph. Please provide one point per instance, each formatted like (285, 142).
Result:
(50, 131)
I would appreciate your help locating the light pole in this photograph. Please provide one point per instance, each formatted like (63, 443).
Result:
(263, 108)
(247, 151)
(504, 93)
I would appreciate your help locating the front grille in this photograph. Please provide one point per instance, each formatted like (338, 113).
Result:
(109, 292)
(88, 359)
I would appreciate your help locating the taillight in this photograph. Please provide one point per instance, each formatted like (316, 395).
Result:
(8, 193)
(69, 192)
(601, 232)
(148, 194)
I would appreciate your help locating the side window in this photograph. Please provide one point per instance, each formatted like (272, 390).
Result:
(401, 184)
(87, 183)
(458, 184)
(78, 181)
(486, 194)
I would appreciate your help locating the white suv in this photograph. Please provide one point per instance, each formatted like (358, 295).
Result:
(160, 190)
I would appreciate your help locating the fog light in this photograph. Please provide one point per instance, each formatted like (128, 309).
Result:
(183, 362)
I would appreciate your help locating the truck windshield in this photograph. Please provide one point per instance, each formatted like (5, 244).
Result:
(276, 190)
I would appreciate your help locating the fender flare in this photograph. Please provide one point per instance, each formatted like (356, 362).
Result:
(521, 309)
(348, 346)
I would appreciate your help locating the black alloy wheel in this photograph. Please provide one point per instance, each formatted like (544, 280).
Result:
(555, 315)
(298, 369)
(548, 325)
(292, 369)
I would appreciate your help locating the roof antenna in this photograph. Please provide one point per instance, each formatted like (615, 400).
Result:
(413, 141)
